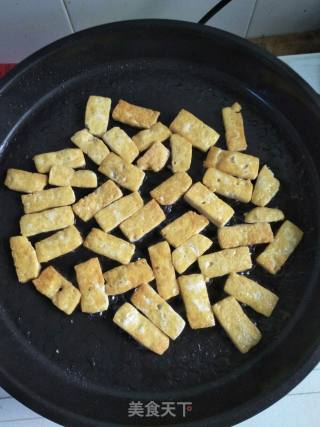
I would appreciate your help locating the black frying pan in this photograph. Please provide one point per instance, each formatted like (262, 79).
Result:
(82, 370)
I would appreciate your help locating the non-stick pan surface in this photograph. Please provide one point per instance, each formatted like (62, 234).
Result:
(82, 370)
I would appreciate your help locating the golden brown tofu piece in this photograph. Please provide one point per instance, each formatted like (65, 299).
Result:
(125, 277)
(245, 235)
(158, 311)
(181, 152)
(266, 187)
(97, 114)
(92, 146)
(133, 115)
(24, 181)
(262, 214)
(233, 124)
(223, 262)
(92, 287)
(156, 133)
(141, 329)
(251, 293)
(242, 332)
(182, 228)
(194, 130)
(170, 190)
(188, 253)
(121, 144)
(49, 220)
(155, 158)
(84, 179)
(196, 300)
(277, 252)
(25, 259)
(71, 157)
(62, 176)
(161, 261)
(46, 199)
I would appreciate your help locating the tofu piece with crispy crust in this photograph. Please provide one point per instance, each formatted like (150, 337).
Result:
(97, 114)
(24, 181)
(71, 157)
(181, 153)
(245, 235)
(92, 146)
(120, 143)
(234, 128)
(62, 176)
(134, 115)
(170, 190)
(155, 158)
(188, 253)
(263, 214)
(266, 187)
(25, 259)
(49, 220)
(156, 133)
(46, 199)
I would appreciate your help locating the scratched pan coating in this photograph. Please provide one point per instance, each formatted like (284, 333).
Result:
(82, 369)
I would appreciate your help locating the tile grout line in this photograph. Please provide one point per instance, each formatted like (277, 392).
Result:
(303, 393)
(21, 419)
(251, 18)
(64, 6)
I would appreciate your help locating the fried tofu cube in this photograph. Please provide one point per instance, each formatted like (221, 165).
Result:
(122, 172)
(84, 179)
(170, 190)
(143, 221)
(109, 246)
(158, 311)
(266, 187)
(155, 158)
(196, 301)
(71, 157)
(58, 244)
(49, 220)
(24, 181)
(188, 253)
(46, 199)
(223, 262)
(243, 333)
(208, 204)
(233, 124)
(119, 142)
(120, 210)
(92, 287)
(194, 130)
(92, 146)
(277, 252)
(234, 163)
(181, 153)
(156, 133)
(227, 185)
(245, 235)
(64, 176)
(25, 259)
(89, 205)
(251, 293)
(134, 115)
(97, 114)
(262, 214)
(184, 227)
(141, 329)
(161, 261)
(125, 277)
(62, 293)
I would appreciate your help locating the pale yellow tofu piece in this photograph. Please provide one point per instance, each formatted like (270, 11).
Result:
(120, 210)
(227, 185)
(60, 175)
(109, 246)
(62, 293)
(46, 199)
(155, 158)
(143, 221)
(156, 309)
(92, 146)
(251, 293)
(245, 235)
(161, 261)
(223, 262)
(196, 301)
(84, 179)
(134, 115)
(58, 244)
(25, 259)
(97, 114)
(181, 153)
(194, 130)
(182, 228)
(125, 277)
(188, 253)
(208, 204)
(170, 190)
(49, 220)
(277, 252)
(243, 333)
(233, 124)
(89, 205)
(122, 172)
(24, 181)
(141, 329)
(234, 163)
(262, 214)
(120, 143)
(145, 138)
(71, 157)
(92, 287)
(266, 187)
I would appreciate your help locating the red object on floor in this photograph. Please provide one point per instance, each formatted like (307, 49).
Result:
(4, 68)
